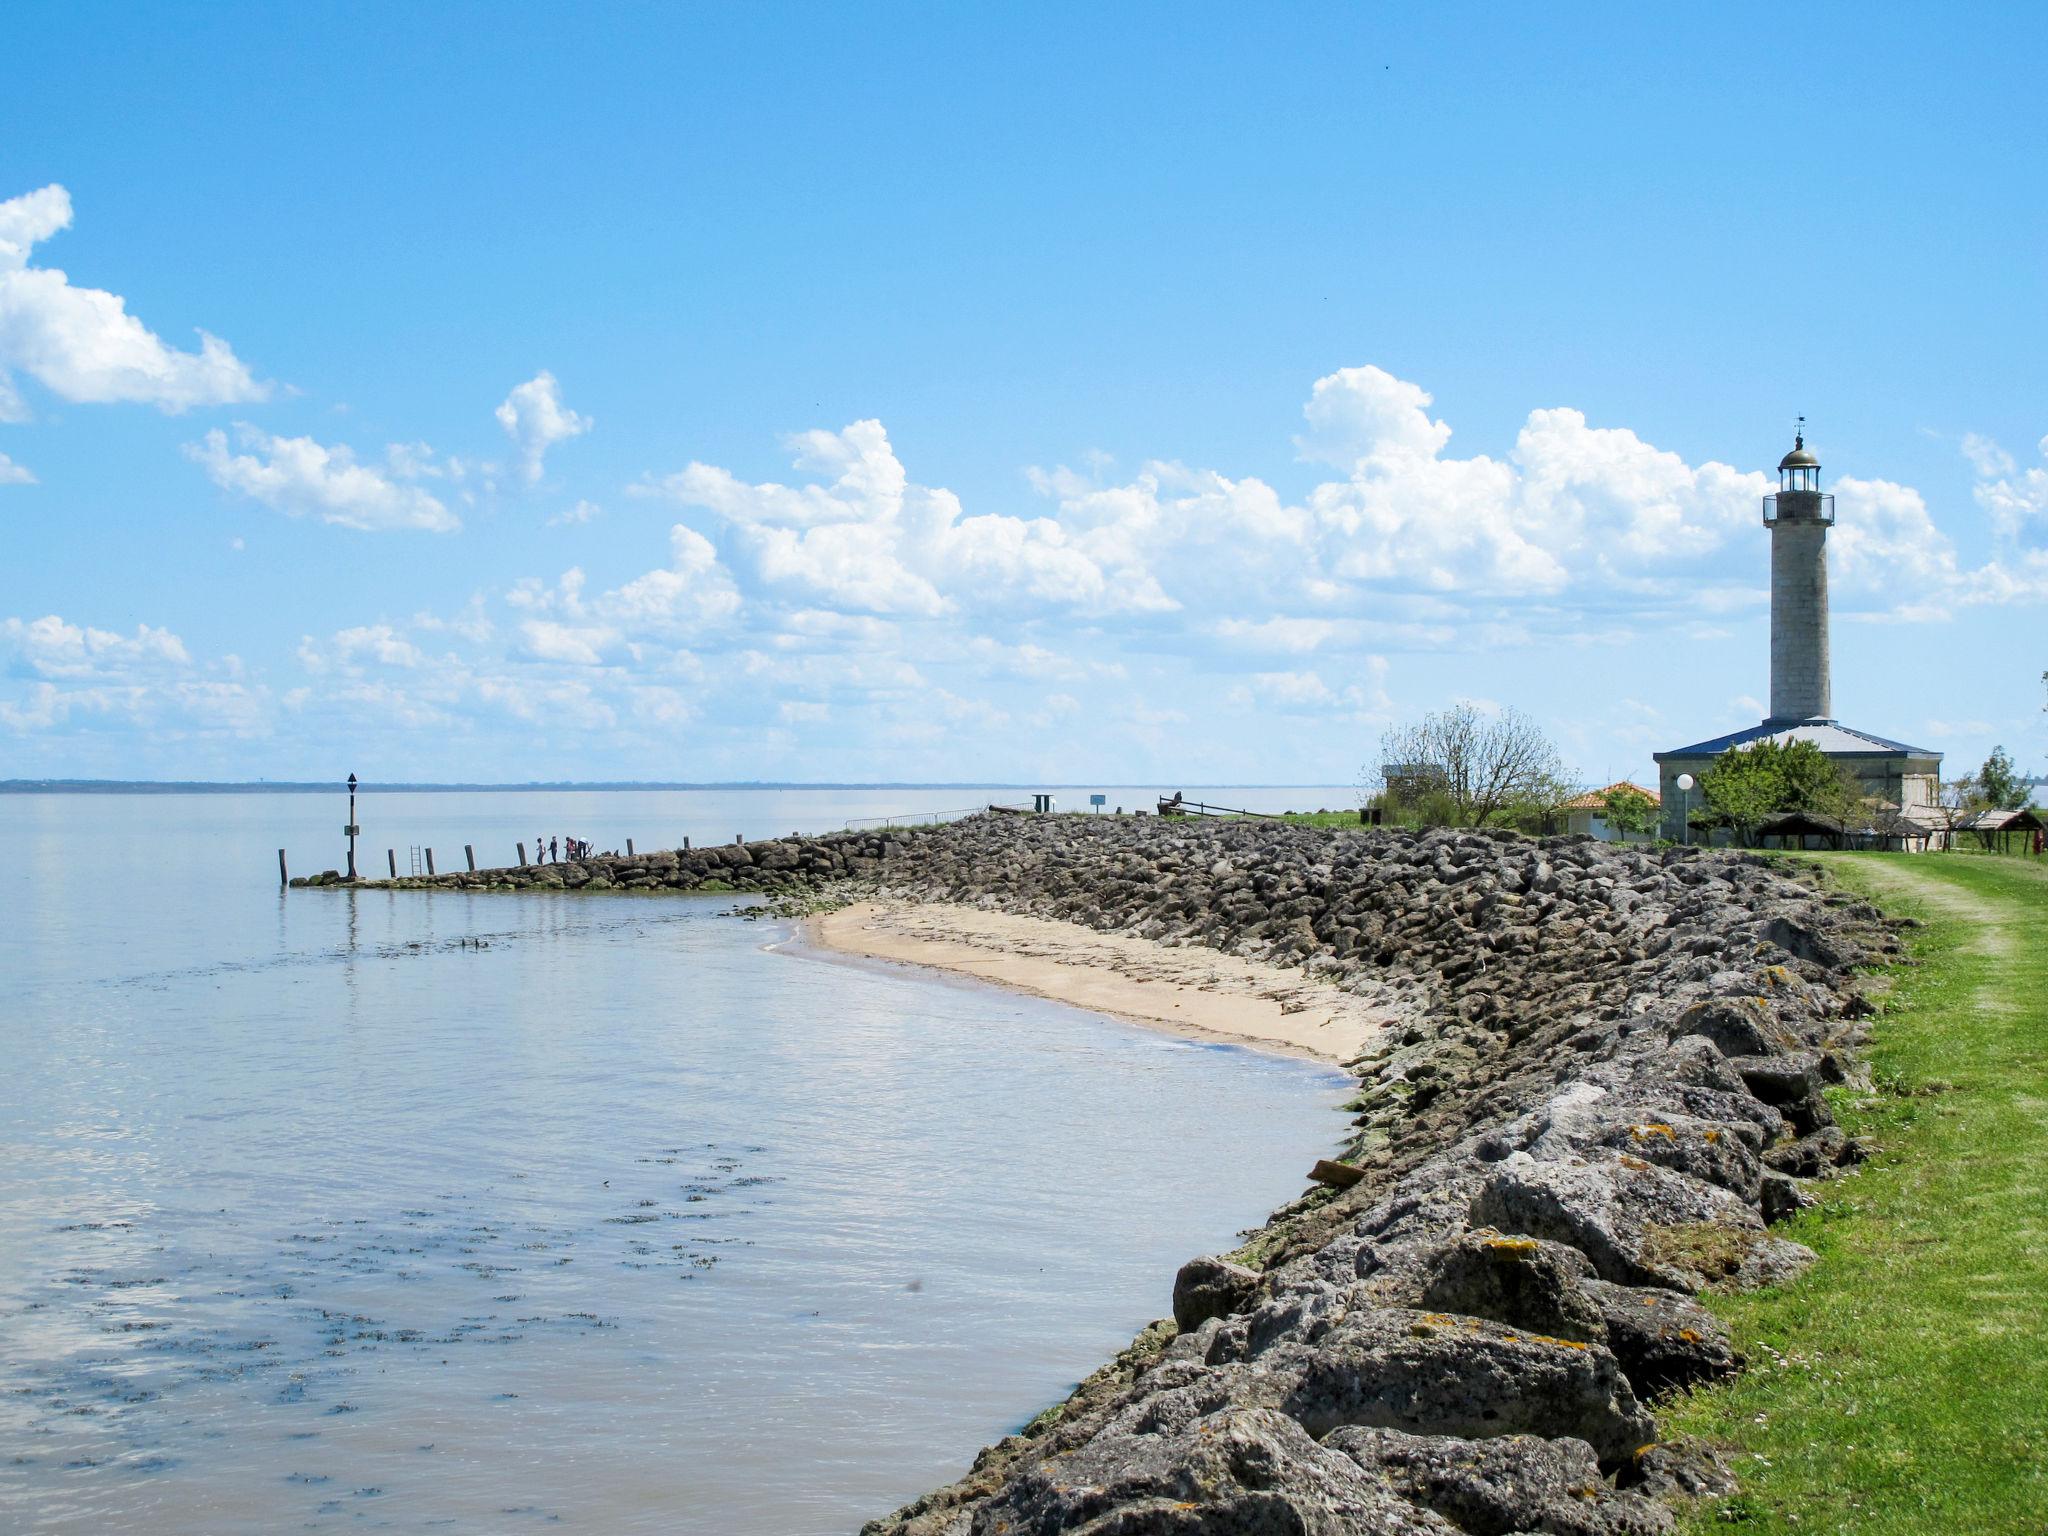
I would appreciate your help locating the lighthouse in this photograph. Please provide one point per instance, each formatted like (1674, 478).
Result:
(1890, 773)
(1799, 517)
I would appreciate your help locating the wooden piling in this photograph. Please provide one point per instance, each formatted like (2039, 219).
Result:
(430, 861)
(738, 838)
(629, 847)
(391, 858)
(686, 845)
(283, 879)
(522, 855)
(469, 852)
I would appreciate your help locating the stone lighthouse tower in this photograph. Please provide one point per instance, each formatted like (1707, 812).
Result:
(1890, 773)
(1799, 517)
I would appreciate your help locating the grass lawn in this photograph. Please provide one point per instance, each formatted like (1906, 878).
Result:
(1901, 1386)
(1339, 818)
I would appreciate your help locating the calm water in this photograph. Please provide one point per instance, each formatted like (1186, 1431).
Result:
(339, 1211)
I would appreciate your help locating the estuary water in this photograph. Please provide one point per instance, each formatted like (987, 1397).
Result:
(333, 1210)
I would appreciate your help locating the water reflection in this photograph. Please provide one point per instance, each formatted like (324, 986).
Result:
(475, 1212)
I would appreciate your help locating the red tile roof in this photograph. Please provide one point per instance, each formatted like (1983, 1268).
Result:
(1593, 799)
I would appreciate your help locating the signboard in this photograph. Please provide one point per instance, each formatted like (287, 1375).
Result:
(1098, 799)
(351, 831)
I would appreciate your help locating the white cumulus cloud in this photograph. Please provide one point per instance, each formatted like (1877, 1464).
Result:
(81, 344)
(534, 417)
(691, 593)
(52, 647)
(69, 676)
(2016, 499)
(12, 473)
(350, 649)
(871, 539)
(304, 478)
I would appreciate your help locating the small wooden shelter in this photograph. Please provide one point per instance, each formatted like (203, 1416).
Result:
(1997, 829)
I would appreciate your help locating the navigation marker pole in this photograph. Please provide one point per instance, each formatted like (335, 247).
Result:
(352, 829)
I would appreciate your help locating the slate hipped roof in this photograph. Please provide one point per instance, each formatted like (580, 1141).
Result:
(1831, 738)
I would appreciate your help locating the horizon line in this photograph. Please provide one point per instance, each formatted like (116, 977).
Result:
(314, 786)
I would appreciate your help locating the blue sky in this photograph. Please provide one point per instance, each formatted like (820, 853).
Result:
(1069, 393)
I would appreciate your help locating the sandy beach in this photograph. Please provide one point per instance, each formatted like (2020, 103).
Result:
(1192, 991)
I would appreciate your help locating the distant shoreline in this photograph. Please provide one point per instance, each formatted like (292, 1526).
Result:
(295, 787)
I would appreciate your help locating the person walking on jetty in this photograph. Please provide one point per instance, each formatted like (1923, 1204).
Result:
(552, 857)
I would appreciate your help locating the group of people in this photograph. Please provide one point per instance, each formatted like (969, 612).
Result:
(559, 848)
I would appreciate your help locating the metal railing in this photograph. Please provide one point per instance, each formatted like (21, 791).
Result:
(911, 819)
(1822, 501)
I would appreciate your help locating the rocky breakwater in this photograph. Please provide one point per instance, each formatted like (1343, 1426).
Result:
(1601, 1089)
(786, 867)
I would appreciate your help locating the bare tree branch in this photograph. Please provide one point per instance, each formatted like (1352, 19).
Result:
(1481, 763)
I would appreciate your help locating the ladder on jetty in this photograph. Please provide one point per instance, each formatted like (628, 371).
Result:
(417, 869)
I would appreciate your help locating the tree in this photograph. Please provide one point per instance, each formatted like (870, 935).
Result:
(1747, 786)
(1539, 809)
(2000, 783)
(1956, 801)
(1742, 789)
(1479, 763)
(1629, 810)
(1816, 783)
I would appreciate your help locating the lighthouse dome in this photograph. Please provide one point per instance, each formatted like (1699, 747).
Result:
(1799, 458)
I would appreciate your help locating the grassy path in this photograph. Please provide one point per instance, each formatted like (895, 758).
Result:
(1902, 1385)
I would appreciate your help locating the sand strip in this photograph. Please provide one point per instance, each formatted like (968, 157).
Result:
(1193, 991)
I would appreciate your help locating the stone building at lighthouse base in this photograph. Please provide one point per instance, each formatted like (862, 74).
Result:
(1889, 771)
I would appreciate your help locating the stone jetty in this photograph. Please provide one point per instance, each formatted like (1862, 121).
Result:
(1600, 1090)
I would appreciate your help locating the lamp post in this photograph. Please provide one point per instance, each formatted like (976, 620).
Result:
(352, 829)
(1685, 784)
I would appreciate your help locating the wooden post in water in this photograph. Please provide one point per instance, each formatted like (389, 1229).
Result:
(283, 879)
(629, 848)
(522, 855)
(686, 845)
(391, 858)
(430, 861)
(469, 852)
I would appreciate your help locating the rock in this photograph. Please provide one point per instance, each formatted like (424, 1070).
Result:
(1736, 1026)
(1606, 1208)
(1516, 1483)
(1435, 1373)
(1710, 1151)
(1814, 1155)
(1210, 1287)
(1770, 1262)
(1521, 1281)
(1791, 1083)
(1808, 942)
(1236, 1472)
(1664, 1339)
(1783, 1198)
(1677, 1470)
